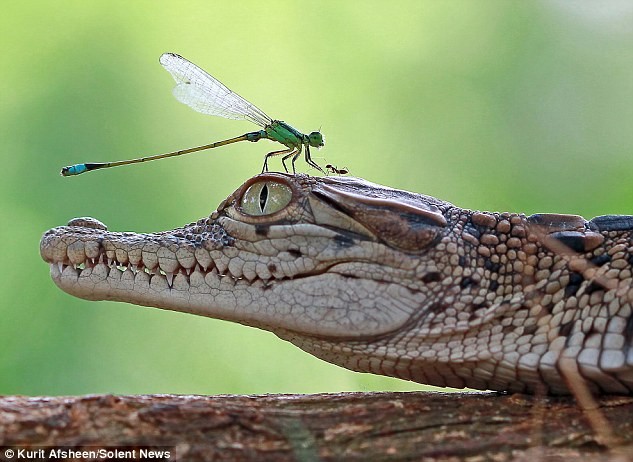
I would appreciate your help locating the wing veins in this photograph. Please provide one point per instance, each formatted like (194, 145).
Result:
(204, 93)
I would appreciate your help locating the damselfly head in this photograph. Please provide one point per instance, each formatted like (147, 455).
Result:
(316, 140)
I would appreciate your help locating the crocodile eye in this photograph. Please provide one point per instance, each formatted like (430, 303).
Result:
(265, 197)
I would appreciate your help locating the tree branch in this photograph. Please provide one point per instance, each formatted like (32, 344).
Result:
(345, 426)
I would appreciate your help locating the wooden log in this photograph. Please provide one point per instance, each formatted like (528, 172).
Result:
(345, 426)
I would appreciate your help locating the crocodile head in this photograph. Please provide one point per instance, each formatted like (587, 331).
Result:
(381, 280)
(301, 256)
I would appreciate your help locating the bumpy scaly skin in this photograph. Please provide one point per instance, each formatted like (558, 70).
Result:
(384, 281)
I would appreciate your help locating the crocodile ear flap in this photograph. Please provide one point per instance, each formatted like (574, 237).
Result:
(405, 225)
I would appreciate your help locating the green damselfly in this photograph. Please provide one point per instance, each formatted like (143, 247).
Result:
(204, 93)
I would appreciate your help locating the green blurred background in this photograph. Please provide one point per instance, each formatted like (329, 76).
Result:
(495, 105)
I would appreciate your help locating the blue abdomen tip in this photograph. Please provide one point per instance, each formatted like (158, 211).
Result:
(74, 170)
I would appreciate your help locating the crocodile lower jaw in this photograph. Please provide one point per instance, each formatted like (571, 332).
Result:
(215, 277)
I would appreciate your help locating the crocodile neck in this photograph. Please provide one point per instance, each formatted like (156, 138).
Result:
(383, 281)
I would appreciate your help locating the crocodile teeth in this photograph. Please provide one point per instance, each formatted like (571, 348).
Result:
(203, 258)
(157, 260)
(121, 256)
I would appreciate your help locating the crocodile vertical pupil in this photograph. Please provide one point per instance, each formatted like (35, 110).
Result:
(264, 198)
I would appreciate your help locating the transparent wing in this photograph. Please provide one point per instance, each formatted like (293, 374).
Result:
(204, 93)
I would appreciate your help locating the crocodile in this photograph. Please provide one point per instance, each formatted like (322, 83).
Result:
(385, 281)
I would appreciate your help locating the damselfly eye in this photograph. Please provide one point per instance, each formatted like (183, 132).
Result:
(264, 198)
(316, 139)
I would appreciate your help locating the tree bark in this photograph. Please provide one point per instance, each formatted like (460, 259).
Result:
(345, 426)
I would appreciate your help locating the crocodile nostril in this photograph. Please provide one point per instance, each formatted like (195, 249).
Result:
(87, 222)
